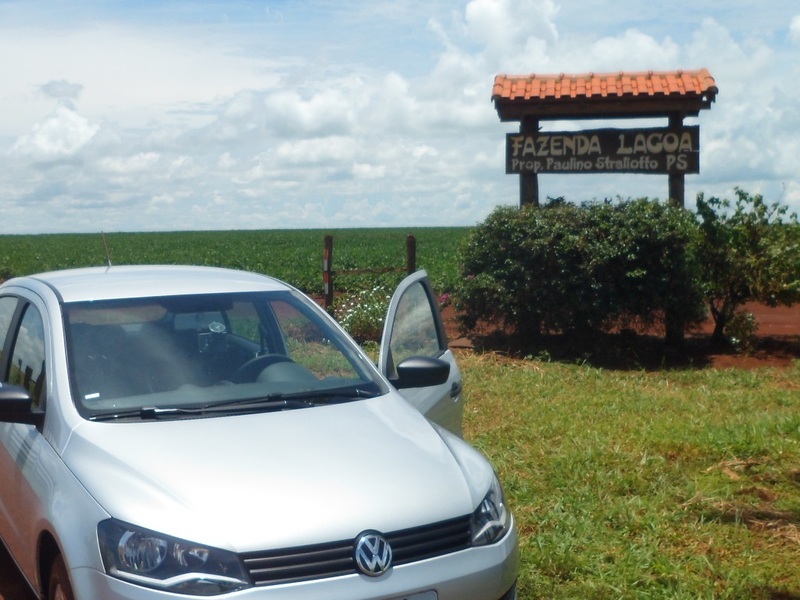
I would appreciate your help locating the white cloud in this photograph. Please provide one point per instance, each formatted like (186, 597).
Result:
(317, 151)
(62, 90)
(634, 50)
(62, 135)
(326, 112)
(794, 29)
(132, 164)
(504, 27)
(226, 162)
(367, 171)
(737, 63)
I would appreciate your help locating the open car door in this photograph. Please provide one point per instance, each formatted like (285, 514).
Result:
(414, 335)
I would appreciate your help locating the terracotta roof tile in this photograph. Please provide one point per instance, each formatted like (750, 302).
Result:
(596, 84)
(690, 89)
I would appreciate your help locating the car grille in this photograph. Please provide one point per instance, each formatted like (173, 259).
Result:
(337, 558)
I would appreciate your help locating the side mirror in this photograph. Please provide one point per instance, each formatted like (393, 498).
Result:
(15, 405)
(421, 371)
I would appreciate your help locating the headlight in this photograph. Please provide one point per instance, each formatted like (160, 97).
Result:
(491, 519)
(159, 561)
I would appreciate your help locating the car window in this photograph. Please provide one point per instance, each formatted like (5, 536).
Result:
(308, 344)
(244, 321)
(414, 331)
(27, 367)
(8, 305)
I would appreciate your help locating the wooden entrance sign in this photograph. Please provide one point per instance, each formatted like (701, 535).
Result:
(672, 150)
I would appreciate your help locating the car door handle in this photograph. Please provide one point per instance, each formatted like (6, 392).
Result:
(456, 389)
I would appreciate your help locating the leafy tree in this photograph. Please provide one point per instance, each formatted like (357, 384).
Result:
(750, 252)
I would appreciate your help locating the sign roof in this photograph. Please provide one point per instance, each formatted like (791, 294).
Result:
(603, 95)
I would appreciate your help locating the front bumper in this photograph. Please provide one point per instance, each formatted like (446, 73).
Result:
(481, 573)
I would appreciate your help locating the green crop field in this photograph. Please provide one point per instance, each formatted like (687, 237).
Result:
(294, 256)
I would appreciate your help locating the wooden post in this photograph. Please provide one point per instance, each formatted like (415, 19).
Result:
(674, 325)
(411, 254)
(528, 189)
(677, 181)
(327, 272)
(676, 189)
(529, 182)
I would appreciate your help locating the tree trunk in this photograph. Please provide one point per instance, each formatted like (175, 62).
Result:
(721, 317)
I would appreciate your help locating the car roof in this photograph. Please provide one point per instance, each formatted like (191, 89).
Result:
(141, 281)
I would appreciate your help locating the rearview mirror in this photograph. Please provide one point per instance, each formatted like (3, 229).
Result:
(421, 371)
(15, 405)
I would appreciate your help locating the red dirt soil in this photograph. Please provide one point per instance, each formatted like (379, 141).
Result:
(777, 341)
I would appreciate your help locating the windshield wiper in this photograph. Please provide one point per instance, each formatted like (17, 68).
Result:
(303, 397)
(150, 413)
(271, 402)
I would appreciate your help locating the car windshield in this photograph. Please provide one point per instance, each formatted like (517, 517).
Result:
(208, 351)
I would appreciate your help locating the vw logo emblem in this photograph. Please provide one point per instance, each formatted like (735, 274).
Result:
(373, 554)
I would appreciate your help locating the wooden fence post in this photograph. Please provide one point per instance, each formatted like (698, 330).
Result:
(411, 254)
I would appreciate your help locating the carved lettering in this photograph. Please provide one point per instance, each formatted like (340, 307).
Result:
(653, 150)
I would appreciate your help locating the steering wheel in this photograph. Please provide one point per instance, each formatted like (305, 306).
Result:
(250, 370)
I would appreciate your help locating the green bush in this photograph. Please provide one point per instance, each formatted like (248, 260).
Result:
(575, 269)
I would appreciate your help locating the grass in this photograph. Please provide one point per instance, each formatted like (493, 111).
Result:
(671, 484)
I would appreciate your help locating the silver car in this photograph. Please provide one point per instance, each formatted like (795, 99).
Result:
(172, 432)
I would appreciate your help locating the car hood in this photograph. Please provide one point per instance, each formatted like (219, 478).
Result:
(271, 480)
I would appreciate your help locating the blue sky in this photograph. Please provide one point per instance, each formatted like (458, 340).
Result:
(173, 115)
